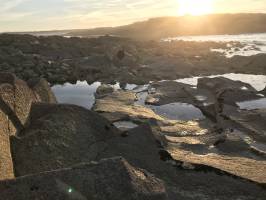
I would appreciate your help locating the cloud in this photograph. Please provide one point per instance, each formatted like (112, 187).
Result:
(68, 14)
(7, 5)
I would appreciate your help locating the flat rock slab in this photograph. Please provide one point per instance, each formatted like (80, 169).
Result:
(113, 179)
(184, 128)
(250, 121)
(250, 169)
(121, 103)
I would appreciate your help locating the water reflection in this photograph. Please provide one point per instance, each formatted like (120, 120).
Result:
(81, 93)
(254, 104)
(125, 125)
(178, 111)
(173, 111)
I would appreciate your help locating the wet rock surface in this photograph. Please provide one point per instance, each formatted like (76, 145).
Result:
(232, 140)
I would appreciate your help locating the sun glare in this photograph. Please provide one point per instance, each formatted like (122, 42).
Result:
(195, 7)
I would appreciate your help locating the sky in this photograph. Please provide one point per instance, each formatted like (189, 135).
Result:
(35, 15)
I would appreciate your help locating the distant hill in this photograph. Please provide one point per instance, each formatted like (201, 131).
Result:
(162, 27)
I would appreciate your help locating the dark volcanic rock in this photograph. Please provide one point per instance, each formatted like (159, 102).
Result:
(250, 121)
(227, 90)
(264, 91)
(166, 92)
(112, 179)
(219, 91)
(219, 83)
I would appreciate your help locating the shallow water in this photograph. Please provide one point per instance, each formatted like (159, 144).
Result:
(125, 125)
(173, 111)
(141, 98)
(254, 104)
(178, 111)
(253, 43)
(81, 93)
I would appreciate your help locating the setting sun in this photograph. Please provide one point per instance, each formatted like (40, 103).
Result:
(195, 7)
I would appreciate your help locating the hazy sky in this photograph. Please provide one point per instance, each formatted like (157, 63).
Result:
(18, 15)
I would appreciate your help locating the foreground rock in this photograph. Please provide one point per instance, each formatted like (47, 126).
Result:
(58, 148)
(59, 136)
(181, 154)
(16, 99)
(112, 179)
(250, 169)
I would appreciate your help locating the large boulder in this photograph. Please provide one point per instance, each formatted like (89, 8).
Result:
(220, 83)
(111, 179)
(59, 136)
(166, 92)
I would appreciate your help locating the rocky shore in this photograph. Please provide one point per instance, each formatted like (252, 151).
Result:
(128, 146)
(110, 59)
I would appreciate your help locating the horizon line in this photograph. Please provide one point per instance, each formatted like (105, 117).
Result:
(137, 21)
